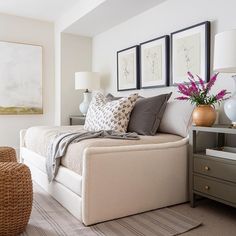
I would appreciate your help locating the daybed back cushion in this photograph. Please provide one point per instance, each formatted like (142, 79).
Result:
(147, 114)
(177, 118)
(109, 115)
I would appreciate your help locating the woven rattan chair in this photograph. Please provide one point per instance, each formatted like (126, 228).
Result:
(16, 197)
(7, 154)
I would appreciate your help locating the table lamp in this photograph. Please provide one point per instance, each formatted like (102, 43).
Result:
(86, 81)
(225, 62)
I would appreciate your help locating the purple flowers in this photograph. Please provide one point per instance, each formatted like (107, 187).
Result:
(182, 98)
(211, 82)
(197, 92)
(201, 83)
(184, 89)
(221, 94)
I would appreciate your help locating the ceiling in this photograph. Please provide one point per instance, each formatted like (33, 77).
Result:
(109, 14)
(48, 10)
(106, 15)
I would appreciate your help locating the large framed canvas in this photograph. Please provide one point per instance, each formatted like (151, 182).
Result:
(128, 69)
(190, 51)
(20, 79)
(154, 62)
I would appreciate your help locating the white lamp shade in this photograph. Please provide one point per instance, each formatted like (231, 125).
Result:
(87, 80)
(225, 52)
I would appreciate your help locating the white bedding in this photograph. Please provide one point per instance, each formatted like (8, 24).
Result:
(38, 138)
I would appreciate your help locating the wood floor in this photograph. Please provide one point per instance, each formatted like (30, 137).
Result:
(218, 219)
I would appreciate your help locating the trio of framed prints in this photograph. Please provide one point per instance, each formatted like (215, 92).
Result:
(165, 60)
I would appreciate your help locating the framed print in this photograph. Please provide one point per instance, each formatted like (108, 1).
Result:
(128, 69)
(20, 79)
(190, 51)
(154, 62)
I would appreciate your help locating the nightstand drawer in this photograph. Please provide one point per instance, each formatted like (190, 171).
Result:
(221, 190)
(215, 168)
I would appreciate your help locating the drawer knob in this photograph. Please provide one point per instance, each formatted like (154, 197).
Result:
(207, 187)
(206, 168)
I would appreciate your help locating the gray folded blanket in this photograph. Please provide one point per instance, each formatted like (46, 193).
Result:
(57, 148)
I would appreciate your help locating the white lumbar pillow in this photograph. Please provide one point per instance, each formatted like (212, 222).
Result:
(109, 115)
(177, 118)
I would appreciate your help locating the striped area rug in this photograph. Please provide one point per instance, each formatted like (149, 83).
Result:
(49, 218)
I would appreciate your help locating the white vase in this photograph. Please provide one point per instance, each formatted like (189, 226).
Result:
(85, 104)
(230, 106)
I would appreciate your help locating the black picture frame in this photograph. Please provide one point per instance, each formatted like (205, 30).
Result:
(207, 44)
(166, 72)
(136, 82)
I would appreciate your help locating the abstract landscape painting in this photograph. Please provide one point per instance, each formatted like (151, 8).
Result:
(20, 79)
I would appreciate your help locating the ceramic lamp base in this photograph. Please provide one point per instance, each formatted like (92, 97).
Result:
(85, 104)
(230, 106)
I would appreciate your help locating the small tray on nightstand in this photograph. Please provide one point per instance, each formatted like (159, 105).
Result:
(223, 152)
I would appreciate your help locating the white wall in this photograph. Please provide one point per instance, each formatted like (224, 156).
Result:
(57, 98)
(82, 8)
(24, 30)
(76, 55)
(163, 19)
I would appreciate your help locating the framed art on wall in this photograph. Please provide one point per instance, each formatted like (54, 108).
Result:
(154, 62)
(190, 51)
(20, 79)
(128, 69)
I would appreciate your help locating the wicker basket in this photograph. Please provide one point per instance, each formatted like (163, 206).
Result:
(16, 196)
(7, 154)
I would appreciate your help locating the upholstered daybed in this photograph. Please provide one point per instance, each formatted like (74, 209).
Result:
(104, 179)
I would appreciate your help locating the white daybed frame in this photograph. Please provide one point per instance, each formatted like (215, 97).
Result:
(118, 181)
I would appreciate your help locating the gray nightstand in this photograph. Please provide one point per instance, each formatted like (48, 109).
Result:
(210, 176)
(77, 120)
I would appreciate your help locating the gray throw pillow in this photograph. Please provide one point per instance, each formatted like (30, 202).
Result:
(110, 97)
(147, 114)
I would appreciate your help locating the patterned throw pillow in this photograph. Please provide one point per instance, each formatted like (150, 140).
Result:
(109, 115)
